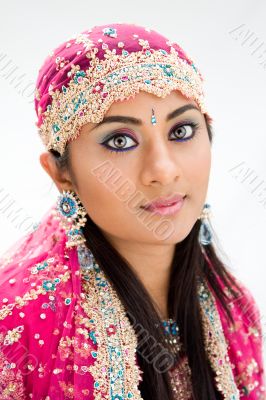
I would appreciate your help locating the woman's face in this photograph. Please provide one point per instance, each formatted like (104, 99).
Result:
(156, 162)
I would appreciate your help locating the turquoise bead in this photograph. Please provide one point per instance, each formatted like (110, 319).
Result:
(94, 354)
(56, 128)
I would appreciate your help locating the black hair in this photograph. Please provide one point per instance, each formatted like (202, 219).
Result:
(188, 263)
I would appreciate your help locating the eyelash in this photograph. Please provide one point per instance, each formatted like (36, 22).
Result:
(121, 133)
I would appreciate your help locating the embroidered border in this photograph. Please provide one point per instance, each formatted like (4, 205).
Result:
(115, 371)
(216, 346)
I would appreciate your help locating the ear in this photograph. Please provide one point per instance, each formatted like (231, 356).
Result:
(61, 179)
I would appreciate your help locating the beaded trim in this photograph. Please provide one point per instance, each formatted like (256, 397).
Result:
(115, 371)
(216, 345)
(118, 77)
(116, 374)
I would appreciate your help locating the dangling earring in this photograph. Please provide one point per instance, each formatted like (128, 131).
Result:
(205, 233)
(73, 213)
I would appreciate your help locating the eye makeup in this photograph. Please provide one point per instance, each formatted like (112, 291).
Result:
(127, 133)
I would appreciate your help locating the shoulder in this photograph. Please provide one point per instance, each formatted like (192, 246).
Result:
(34, 298)
(245, 341)
(38, 278)
(31, 281)
(245, 309)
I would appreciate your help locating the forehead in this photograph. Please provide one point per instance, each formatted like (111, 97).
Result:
(143, 102)
(140, 108)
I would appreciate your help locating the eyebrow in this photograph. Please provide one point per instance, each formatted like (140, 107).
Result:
(137, 121)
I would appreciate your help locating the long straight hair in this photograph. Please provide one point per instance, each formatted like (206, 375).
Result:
(188, 264)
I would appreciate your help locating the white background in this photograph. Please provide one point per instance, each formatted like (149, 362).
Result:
(227, 41)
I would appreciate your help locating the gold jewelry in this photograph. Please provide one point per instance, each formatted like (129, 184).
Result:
(72, 216)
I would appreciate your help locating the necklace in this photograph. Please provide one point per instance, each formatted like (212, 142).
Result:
(171, 336)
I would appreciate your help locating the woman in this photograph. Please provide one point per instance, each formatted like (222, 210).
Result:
(118, 293)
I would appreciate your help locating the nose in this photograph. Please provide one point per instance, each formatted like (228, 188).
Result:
(160, 163)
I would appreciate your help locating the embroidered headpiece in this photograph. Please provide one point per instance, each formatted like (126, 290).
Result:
(82, 77)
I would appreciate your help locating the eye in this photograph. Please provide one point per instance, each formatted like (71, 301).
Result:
(184, 131)
(118, 142)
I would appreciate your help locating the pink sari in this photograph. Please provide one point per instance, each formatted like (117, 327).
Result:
(58, 341)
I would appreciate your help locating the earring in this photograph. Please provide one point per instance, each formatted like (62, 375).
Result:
(153, 118)
(205, 233)
(73, 213)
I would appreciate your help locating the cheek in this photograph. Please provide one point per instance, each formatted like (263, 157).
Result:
(98, 179)
(198, 166)
(198, 178)
(98, 184)
(196, 172)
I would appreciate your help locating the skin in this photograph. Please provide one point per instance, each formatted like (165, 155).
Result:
(158, 166)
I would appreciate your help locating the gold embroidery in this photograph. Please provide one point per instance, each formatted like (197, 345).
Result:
(216, 345)
(13, 335)
(181, 380)
(115, 371)
(11, 380)
(21, 301)
(37, 273)
(68, 389)
(90, 93)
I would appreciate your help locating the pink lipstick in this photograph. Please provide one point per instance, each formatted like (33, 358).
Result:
(163, 206)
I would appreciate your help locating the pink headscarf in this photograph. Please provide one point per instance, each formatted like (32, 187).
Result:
(53, 73)
(77, 56)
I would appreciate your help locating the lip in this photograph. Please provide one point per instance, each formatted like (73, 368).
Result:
(166, 207)
(165, 201)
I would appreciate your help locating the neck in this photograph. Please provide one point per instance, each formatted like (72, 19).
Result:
(152, 264)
